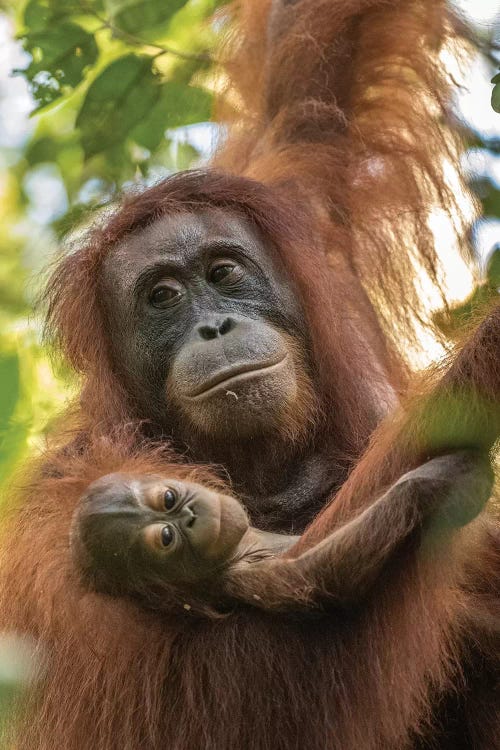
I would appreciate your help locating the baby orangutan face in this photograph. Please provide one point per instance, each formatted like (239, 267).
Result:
(131, 531)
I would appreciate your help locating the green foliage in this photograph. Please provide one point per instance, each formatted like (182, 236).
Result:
(117, 100)
(44, 14)
(493, 269)
(176, 105)
(112, 81)
(9, 394)
(491, 201)
(60, 55)
(133, 16)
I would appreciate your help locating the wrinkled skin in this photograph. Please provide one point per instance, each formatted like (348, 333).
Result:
(210, 339)
(203, 322)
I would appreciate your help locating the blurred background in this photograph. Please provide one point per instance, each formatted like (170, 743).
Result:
(98, 94)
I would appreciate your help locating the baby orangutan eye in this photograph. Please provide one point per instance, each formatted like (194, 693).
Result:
(169, 499)
(160, 537)
(166, 536)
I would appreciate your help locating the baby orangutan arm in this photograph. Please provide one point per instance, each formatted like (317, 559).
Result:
(143, 535)
(445, 493)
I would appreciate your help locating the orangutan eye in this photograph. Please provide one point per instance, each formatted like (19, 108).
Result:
(166, 536)
(161, 538)
(169, 499)
(165, 293)
(224, 271)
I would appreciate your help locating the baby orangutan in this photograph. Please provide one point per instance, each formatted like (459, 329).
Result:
(134, 532)
(158, 539)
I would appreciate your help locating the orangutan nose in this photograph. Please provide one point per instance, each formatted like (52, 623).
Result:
(217, 328)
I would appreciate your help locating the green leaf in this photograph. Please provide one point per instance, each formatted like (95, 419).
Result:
(133, 16)
(42, 150)
(183, 155)
(119, 98)
(178, 105)
(37, 14)
(495, 98)
(150, 132)
(60, 56)
(496, 79)
(490, 200)
(186, 104)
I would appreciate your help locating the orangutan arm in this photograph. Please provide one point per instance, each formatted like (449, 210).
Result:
(438, 497)
(458, 421)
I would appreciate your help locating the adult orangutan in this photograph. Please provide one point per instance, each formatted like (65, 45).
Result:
(224, 324)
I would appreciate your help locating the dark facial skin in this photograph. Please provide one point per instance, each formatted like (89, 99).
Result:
(209, 338)
(206, 327)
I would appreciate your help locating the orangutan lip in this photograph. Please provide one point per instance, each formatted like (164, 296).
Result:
(236, 373)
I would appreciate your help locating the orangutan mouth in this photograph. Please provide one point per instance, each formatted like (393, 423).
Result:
(236, 374)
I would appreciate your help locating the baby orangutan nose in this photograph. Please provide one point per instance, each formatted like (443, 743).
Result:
(189, 516)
